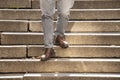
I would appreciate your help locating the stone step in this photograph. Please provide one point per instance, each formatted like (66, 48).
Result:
(13, 51)
(73, 38)
(74, 26)
(11, 76)
(78, 51)
(92, 51)
(84, 14)
(64, 65)
(79, 4)
(72, 76)
(15, 4)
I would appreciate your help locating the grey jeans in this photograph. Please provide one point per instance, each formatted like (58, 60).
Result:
(48, 10)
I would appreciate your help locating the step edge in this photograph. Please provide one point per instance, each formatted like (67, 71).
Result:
(72, 75)
(65, 59)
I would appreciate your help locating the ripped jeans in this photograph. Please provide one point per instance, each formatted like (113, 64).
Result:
(48, 10)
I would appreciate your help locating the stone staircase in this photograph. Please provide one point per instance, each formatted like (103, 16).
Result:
(93, 35)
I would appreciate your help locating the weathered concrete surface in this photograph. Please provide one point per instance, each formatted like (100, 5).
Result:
(19, 14)
(22, 38)
(13, 26)
(15, 4)
(12, 51)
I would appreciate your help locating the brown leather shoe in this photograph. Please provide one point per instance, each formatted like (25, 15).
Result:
(49, 52)
(61, 42)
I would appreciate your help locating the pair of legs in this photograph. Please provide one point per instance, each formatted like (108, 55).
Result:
(48, 10)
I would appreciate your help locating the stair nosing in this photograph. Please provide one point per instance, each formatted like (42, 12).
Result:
(64, 59)
(85, 33)
(115, 75)
(108, 9)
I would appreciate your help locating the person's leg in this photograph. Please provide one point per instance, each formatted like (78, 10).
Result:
(48, 10)
(63, 7)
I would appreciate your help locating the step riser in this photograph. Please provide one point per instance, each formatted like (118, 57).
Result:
(20, 52)
(83, 26)
(35, 14)
(96, 4)
(59, 66)
(12, 52)
(95, 15)
(13, 26)
(77, 51)
(21, 39)
(72, 39)
(24, 15)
